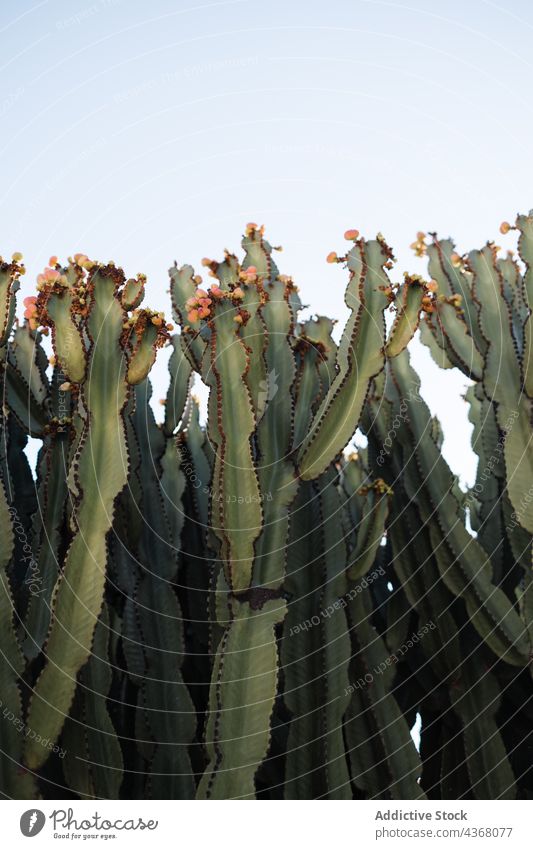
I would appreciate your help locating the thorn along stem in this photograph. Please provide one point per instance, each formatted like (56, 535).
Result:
(223, 596)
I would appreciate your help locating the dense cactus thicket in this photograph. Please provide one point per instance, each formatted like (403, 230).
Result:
(241, 608)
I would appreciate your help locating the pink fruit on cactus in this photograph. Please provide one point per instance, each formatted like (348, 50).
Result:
(30, 304)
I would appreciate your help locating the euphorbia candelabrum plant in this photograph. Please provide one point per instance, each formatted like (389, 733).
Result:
(239, 608)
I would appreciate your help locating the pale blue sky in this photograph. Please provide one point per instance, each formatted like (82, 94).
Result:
(148, 132)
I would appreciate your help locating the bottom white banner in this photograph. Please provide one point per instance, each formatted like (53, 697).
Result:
(241, 824)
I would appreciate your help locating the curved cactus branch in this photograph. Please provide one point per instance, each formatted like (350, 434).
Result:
(360, 357)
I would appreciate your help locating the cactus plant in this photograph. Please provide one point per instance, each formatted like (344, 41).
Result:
(476, 321)
(246, 324)
(237, 607)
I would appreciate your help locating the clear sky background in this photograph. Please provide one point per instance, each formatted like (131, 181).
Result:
(151, 131)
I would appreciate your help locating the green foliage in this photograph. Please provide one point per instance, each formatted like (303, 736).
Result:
(240, 608)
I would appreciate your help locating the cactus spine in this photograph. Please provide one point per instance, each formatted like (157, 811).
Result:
(240, 608)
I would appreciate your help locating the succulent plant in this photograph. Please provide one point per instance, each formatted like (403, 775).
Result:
(472, 677)
(238, 335)
(233, 605)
